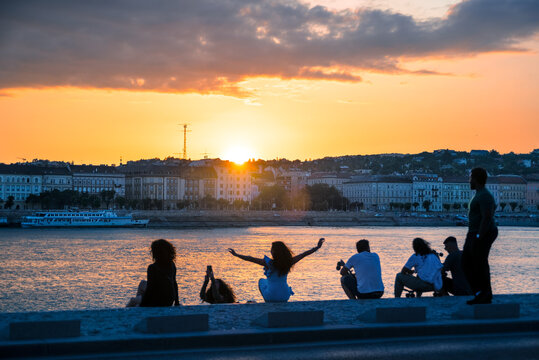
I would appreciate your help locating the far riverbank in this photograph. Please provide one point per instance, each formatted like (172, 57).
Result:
(247, 218)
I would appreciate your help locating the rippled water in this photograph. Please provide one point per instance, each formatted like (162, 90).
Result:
(59, 269)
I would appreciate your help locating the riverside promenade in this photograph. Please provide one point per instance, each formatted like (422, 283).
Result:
(197, 219)
(233, 325)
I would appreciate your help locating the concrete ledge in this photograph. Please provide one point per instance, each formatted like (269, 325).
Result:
(282, 319)
(29, 330)
(489, 311)
(497, 311)
(401, 314)
(54, 348)
(174, 324)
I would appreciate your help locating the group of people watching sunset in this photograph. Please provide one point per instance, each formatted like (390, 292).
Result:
(423, 272)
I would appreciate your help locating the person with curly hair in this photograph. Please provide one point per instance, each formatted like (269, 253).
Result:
(161, 288)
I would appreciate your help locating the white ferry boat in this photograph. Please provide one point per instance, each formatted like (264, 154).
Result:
(104, 218)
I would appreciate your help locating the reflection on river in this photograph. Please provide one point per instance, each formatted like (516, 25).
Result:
(59, 269)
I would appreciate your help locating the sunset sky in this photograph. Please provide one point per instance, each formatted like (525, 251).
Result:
(93, 81)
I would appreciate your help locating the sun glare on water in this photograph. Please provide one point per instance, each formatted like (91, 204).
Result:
(238, 155)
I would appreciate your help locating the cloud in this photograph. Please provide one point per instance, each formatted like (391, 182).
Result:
(210, 46)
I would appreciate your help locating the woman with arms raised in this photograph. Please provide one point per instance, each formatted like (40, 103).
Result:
(275, 287)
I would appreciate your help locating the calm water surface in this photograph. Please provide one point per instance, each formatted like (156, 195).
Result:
(60, 269)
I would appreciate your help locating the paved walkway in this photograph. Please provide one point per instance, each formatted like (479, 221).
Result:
(120, 323)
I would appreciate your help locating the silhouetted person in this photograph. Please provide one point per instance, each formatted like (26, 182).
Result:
(162, 288)
(135, 301)
(219, 292)
(457, 284)
(275, 287)
(366, 283)
(482, 232)
(427, 264)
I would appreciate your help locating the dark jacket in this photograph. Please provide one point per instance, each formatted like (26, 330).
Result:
(162, 289)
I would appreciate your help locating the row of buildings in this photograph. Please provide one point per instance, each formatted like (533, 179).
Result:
(174, 180)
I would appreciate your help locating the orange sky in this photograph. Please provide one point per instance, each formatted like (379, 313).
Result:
(488, 102)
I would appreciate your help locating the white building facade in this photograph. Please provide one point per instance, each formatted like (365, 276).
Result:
(379, 193)
(19, 181)
(233, 182)
(335, 180)
(532, 194)
(57, 178)
(93, 179)
(456, 193)
(427, 187)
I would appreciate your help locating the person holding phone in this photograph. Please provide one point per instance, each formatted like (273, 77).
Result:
(219, 292)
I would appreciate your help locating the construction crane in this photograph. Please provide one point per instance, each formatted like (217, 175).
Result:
(185, 131)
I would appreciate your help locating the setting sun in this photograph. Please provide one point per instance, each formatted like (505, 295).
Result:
(238, 155)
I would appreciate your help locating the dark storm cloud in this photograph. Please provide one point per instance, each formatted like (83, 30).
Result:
(208, 46)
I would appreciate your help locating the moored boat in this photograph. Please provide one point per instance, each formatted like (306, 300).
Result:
(105, 218)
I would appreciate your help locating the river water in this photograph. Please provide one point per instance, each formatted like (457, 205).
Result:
(64, 269)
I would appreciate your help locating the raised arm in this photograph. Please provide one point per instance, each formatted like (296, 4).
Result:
(248, 258)
(344, 270)
(308, 252)
(204, 286)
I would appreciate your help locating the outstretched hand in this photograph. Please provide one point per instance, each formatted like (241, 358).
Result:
(232, 252)
(320, 242)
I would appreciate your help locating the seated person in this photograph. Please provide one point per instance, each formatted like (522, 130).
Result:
(427, 264)
(135, 301)
(367, 281)
(457, 284)
(274, 288)
(219, 291)
(161, 288)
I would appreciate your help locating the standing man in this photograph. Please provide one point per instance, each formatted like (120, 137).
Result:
(482, 232)
(367, 282)
(457, 284)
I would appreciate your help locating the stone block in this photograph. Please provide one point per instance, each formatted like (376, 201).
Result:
(488, 311)
(283, 319)
(401, 314)
(496, 311)
(29, 330)
(175, 324)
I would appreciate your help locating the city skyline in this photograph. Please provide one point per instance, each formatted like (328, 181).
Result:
(295, 80)
(176, 158)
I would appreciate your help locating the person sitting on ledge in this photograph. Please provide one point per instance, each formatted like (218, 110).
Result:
(135, 301)
(275, 287)
(162, 288)
(457, 284)
(367, 281)
(427, 264)
(219, 292)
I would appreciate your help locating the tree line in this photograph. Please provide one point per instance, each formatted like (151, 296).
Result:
(317, 197)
